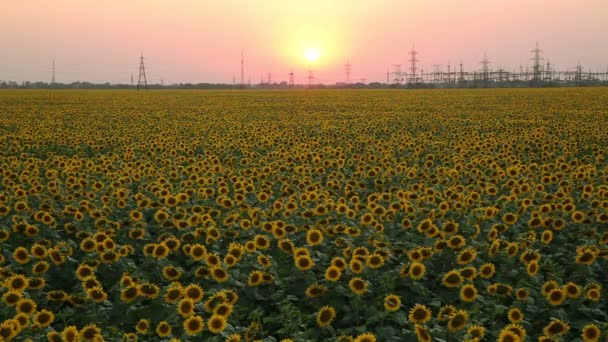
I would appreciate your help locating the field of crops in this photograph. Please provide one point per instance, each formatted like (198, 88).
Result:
(462, 215)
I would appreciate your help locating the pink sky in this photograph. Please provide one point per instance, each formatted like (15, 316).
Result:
(201, 40)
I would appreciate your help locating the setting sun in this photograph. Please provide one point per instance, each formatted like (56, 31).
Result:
(312, 55)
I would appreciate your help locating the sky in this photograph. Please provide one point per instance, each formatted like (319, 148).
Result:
(201, 40)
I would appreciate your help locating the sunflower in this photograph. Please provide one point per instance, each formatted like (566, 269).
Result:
(419, 314)
(392, 302)
(556, 296)
(358, 285)
(452, 279)
(128, 294)
(325, 316)
(17, 282)
(593, 294)
(223, 309)
(261, 242)
(546, 237)
(508, 336)
(572, 290)
(194, 292)
(217, 324)
(578, 216)
(234, 338)
(417, 270)
(219, 274)
(12, 297)
(548, 286)
(193, 325)
(457, 241)
(171, 273)
(70, 334)
(142, 326)
(97, 294)
(43, 318)
(556, 327)
(185, 307)
(591, 333)
(333, 273)
(304, 262)
(445, 312)
(315, 291)
(515, 315)
(422, 333)
(26, 306)
(466, 256)
(468, 293)
(255, 278)
(365, 337)
(163, 329)
(532, 268)
(487, 270)
(375, 261)
(458, 320)
(476, 331)
(314, 237)
(355, 266)
(90, 332)
(521, 294)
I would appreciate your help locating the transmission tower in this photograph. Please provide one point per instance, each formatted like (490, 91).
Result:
(291, 81)
(413, 60)
(461, 77)
(387, 75)
(485, 69)
(397, 74)
(142, 82)
(311, 78)
(53, 77)
(347, 68)
(269, 78)
(537, 77)
(242, 68)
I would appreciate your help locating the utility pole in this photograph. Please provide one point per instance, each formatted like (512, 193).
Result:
(53, 76)
(242, 68)
(131, 80)
(141, 81)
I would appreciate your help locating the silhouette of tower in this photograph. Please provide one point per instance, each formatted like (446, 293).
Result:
(142, 82)
(131, 80)
(413, 68)
(347, 68)
(311, 78)
(291, 82)
(485, 69)
(242, 68)
(537, 71)
(53, 77)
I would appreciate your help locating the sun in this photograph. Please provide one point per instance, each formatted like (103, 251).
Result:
(312, 55)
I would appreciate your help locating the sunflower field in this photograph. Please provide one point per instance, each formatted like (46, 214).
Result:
(321, 215)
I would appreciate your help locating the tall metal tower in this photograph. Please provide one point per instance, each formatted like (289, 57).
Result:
(291, 81)
(347, 68)
(461, 76)
(310, 78)
(413, 68)
(537, 76)
(53, 77)
(269, 78)
(387, 74)
(142, 82)
(397, 74)
(131, 80)
(242, 68)
(485, 68)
